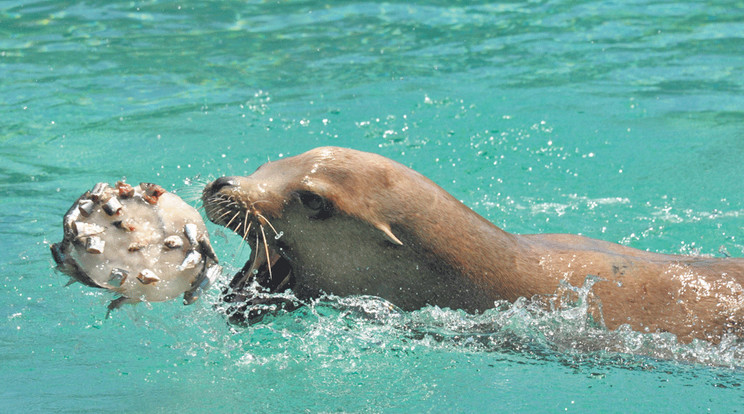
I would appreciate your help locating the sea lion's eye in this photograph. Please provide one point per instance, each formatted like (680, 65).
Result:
(312, 201)
(316, 203)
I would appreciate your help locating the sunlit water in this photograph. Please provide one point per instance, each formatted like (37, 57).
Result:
(617, 120)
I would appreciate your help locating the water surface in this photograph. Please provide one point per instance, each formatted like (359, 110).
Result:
(617, 120)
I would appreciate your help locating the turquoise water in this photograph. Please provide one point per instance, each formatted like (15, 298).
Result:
(617, 120)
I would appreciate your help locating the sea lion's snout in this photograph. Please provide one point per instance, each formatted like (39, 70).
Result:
(219, 184)
(219, 197)
(245, 206)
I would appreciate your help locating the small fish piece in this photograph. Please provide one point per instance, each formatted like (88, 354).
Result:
(202, 284)
(147, 276)
(98, 191)
(57, 253)
(152, 192)
(117, 276)
(86, 207)
(133, 247)
(212, 273)
(72, 269)
(173, 242)
(126, 224)
(112, 206)
(190, 230)
(206, 248)
(83, 229)
(191, 260)
(192, 296)
(116, 304)
(94, 245)
(73, 214)
(125, 190)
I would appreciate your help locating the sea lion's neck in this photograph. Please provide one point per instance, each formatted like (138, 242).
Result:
(496, 260)
(491, 258)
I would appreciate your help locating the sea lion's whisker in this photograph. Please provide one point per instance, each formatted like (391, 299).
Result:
(223, 215)
(258, 201)
(245, 232)
(219, 198)
(255, 252)
(214, 211)
(266, 248)
(247, 227)
(267, 222)
(225, 202)
(211, 204)
(231, 220)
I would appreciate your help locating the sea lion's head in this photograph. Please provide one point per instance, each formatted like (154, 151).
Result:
(321, 221)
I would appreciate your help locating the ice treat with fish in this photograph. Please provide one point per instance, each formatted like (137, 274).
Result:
(141, 242)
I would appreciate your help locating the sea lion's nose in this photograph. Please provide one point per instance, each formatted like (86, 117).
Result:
(221, 183)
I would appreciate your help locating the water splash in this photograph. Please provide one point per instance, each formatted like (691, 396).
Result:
(526, 328)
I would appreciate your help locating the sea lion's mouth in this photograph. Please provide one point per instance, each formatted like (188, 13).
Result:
(256, 289)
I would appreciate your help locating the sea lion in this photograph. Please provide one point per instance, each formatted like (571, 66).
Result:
(345, 222)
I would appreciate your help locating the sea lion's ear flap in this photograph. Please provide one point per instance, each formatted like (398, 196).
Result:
(385, 229)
